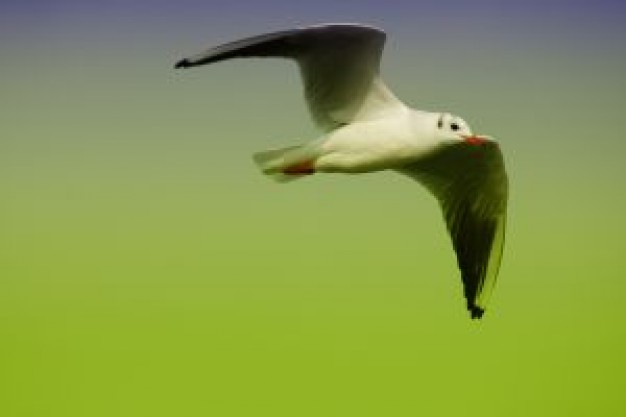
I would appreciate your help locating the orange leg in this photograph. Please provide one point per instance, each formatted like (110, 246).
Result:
(302, 168)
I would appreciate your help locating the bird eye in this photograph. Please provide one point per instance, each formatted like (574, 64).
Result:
(454, 127)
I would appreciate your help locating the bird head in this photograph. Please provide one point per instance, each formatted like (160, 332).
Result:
(452, 129)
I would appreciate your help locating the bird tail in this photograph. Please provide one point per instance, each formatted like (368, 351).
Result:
(286, 164)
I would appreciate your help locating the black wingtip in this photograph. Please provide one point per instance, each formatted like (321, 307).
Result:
(183, 63)
(476, 312)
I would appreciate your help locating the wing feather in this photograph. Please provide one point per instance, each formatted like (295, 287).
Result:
(471, 185)
(339, 64)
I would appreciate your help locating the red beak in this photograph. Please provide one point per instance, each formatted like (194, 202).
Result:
(475, 140)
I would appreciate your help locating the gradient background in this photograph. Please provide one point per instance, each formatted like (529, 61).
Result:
(147, 269)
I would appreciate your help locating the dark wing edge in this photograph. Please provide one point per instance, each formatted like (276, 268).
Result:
(271, 44)
(283, 44)
(471, 185)
(478, 241)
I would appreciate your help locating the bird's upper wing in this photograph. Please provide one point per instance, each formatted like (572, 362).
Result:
(471, 185)
(339, 64)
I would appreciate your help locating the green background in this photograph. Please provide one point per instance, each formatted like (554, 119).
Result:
(147, 268)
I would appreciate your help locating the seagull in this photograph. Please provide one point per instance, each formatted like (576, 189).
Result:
(366, 128)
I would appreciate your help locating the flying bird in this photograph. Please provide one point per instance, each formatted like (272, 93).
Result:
(367, 128)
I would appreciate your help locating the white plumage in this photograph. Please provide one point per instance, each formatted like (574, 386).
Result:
(368, 129)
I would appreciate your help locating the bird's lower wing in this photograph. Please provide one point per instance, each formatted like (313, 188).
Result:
(471, 185)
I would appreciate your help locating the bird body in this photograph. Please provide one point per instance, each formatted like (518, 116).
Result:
(367, 128)
(357, 147)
